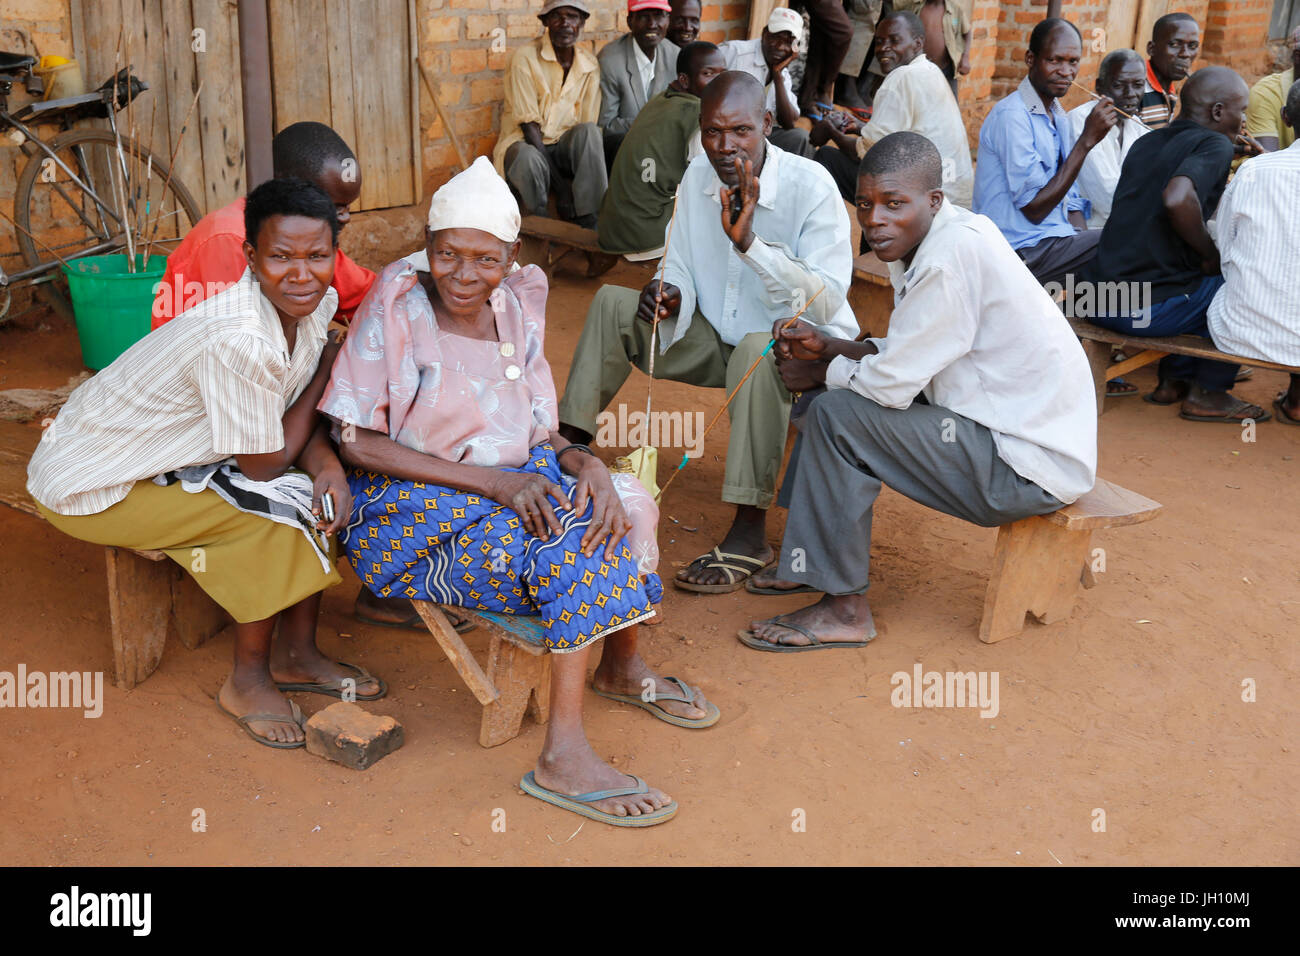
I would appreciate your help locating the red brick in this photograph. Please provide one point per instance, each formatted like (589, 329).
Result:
(497, 60)
(733, 11)
(476, 120)
(441, 30)
(480, 26)
(486, 91)
(345, 733)
(468, 61)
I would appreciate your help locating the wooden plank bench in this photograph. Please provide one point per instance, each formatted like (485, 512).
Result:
(518, 675)
(150, 598)
(551, 243)
(1040, 561)
(1099, 344)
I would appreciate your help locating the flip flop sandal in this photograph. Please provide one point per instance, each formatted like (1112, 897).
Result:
(1263, 416)
(721, 560)
(1283, 416)
(578, 804)
(334, 688)
(686, 695)
(415, 622)
(1244, 374)
(753, 588)
(1122, 392)
(860, 112)
(244, 721)
(749, 639)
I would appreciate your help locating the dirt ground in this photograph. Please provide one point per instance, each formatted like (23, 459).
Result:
(1133, 707)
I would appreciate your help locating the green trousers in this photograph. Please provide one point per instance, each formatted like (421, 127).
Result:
(614, 339)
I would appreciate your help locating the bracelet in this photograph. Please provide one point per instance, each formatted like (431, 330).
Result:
(582, 448)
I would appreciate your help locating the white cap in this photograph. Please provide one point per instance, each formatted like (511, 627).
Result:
(785, 20)
(476, 199)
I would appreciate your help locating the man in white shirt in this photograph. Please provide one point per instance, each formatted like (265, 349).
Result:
(1256, 313)
(766, 59)
(942, 410)
(915, 95)
(758, 234)
(1122, 77)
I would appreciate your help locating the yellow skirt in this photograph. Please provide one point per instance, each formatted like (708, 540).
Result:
(252, 566)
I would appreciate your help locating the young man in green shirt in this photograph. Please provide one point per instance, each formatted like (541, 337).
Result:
(653, 157)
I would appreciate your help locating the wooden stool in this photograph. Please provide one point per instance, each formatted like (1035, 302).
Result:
(1040, 561)
(518, 677)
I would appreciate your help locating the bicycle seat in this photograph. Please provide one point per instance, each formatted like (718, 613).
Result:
(15, 62)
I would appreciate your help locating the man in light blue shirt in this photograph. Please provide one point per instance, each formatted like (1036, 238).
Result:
(758, 234)
(1029, 159)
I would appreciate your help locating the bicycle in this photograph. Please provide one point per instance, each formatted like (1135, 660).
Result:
(112, 185)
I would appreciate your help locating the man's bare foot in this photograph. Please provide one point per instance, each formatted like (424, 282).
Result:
(835, 619)
(1169, 391)
(259, 696)
(767, 578)
(1201, 405)
(578, 770)
(747, 536)
(298, 665)
(627, 681)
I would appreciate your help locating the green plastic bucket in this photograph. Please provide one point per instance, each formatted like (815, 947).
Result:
(113, 307)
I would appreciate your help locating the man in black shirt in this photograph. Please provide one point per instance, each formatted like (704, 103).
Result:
(1156, 245)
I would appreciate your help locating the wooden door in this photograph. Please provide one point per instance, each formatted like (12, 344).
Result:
(174, 46)
(351, 65)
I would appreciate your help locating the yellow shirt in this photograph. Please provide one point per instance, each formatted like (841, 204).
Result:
(1264, 114)
(537, 91)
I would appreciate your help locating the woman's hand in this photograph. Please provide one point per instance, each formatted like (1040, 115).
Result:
(528, 496)
(609, 522)
(330, 479)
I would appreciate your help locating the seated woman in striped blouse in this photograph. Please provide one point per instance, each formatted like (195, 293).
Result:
(185, 444)
(464, 493)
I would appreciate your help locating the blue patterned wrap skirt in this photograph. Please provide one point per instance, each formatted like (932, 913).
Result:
(430, 543)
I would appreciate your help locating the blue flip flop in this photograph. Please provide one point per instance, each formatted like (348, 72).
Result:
(578, 803)
(685, 694)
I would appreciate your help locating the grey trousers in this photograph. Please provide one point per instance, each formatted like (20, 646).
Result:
(580, 154)
(850, 447)
(1052, 258)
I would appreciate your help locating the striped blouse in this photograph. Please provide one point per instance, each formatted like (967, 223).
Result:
(212, 383)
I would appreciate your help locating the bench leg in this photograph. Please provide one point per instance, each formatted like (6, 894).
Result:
(1035, 571)
(195, 616)
(524, 683)
(1099, 354)
(140, 612)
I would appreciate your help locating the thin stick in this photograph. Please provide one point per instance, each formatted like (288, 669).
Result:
(446, 123)
(171, 165)
(122, 188)
(654, 326)
(736, 390)
(6, 218)
(142, 212)
(1097, 96)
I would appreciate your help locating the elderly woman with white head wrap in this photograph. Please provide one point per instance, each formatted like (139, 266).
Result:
(464, 493)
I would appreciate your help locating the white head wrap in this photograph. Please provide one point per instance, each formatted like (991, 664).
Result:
(783, 19)
(476, 199)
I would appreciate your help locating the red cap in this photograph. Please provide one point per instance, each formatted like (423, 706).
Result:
(634, 6)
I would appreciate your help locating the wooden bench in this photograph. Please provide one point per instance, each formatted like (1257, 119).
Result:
(150, 598)
(518, 675)
(551, 243)
(871, 295)
(1039, 562)
(1099, 344)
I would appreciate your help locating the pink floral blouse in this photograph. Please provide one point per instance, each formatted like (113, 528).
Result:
(459, 399)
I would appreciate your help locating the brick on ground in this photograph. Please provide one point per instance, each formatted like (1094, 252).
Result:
(345, 733)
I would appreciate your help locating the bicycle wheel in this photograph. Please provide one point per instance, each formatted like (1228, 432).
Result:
(92, 211)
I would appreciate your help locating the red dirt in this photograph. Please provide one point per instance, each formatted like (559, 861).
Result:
(1133, 706)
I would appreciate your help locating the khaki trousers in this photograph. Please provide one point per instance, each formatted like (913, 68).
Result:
(614, 339)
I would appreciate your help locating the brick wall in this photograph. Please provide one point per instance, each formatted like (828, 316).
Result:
(457, 44)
